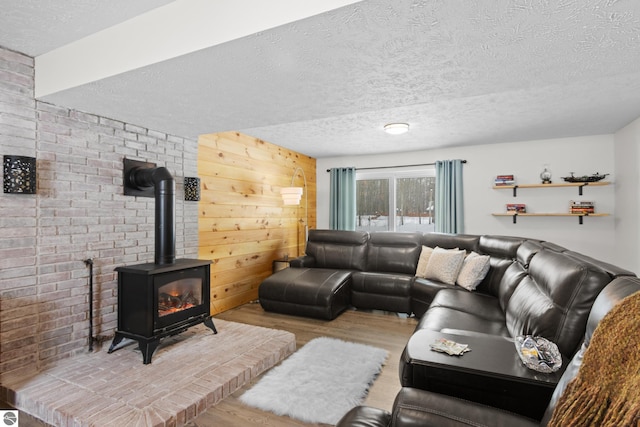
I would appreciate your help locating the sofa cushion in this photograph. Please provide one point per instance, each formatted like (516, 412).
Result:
(503, 252)
(613, 270)
(474, 268)
(423, 291)
(381, 291)
(500, 246)
(554, 300)
(553, 247)
(511, 277)
(423, 261)
(338, 249)
(467, 242)
(444, 265)
(463, 313)
(393, 252)
(312, 292)
(482, 321)
(526, 251)
(491, 282)
(483, 306)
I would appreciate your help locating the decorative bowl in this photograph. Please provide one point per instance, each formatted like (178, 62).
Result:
(538, 353)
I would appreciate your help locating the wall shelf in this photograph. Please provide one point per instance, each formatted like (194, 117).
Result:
(515, 215)
(580, 186)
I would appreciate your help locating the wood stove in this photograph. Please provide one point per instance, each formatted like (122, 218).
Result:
(166, 297)
(158, 301)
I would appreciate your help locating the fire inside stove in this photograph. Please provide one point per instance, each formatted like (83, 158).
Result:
(179, 295)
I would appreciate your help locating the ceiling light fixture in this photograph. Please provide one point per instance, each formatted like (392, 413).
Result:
(396, 128)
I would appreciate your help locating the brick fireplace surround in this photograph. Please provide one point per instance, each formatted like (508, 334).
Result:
(190, 372)
(79, 212)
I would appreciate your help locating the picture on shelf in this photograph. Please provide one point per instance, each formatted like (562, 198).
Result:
(517, 207)
(508, 179)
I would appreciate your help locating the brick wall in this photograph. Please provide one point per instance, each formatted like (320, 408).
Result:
(79, 212)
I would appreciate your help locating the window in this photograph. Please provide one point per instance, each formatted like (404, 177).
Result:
(395, 201)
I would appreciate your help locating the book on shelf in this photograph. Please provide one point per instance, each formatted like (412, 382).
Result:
(517, 207)
(582, 207)
(504, 180)
(582, 211)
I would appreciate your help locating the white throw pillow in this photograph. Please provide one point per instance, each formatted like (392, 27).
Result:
(444, 265)
(421, 269)
(474, 268)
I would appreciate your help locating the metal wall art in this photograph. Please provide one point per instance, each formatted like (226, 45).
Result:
(19, 174)
(192, 189)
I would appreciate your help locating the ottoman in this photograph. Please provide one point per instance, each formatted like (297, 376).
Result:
(311, 292)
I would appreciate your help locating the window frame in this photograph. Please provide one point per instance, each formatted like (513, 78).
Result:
(392, 175)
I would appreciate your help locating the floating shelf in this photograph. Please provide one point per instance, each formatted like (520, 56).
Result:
(580, 186)
(515, 215)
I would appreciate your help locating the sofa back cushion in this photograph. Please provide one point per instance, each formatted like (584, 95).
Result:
(613, 270)
(526, 251)
(500, 246)
(393, 252)
(510, 279)
(468, 242)
(502, 250)
(338, 249)
(554, 299)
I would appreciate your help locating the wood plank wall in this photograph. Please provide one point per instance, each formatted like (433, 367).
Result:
(243, 224)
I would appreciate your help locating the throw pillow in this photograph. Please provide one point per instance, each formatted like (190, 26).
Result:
(421, 269)
(444, 265)
(474, 268)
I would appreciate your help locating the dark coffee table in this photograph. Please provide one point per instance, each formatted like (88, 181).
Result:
(491, 373)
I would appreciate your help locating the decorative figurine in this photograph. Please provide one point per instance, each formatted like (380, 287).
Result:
(545, 175)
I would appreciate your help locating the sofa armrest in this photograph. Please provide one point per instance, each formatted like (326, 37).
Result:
(365, 416)
(302, 262)
(415, 407)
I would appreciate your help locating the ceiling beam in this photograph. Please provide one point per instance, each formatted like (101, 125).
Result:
(179, 28)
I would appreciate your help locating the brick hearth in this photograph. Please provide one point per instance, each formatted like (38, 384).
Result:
(189, 373)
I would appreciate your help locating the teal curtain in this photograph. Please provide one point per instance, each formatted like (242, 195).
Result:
(342, 214)
(449, 209)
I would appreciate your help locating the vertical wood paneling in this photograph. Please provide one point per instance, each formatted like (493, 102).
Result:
(242, 224)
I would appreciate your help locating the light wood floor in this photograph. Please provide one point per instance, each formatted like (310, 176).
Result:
(380, 329)
(384, 330)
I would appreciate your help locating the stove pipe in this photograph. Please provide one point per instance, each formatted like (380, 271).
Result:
(165, 196)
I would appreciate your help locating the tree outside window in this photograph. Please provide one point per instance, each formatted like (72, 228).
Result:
(396, 201)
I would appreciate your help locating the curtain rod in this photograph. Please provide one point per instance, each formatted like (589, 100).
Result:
(392, 167)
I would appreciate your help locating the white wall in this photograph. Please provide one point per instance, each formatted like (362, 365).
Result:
(627, 158)
(583, 155)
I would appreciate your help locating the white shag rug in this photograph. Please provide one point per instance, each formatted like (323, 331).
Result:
(320, 382)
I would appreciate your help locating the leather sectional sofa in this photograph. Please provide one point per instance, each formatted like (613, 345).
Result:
(416, 407)
(531, 287)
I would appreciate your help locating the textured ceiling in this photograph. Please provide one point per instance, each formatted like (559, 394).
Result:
(35, 27)
(460, 72)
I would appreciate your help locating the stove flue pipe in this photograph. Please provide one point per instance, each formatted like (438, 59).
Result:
(165, 197)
